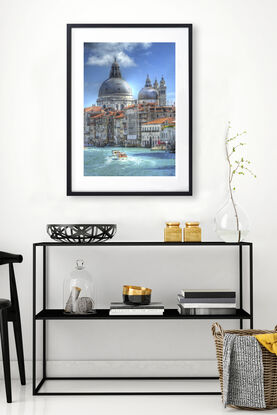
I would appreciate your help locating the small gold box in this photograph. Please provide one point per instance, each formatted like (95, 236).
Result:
(192, 232)
(173, 232)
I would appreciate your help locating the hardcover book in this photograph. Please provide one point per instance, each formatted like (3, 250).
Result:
(152, 306)
(136, 312)
(208, 293)
(182, 299)
(205, 311)
(208, 305)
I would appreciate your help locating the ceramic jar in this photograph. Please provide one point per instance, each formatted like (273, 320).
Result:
(192, 232)
(173, 232)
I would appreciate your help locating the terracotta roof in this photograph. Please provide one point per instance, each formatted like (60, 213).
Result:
(130, 106)
(120, 116)
(94, 108)
(97, 116)
(151, 104)
(160, 121)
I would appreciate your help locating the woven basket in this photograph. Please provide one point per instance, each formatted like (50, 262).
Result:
(269, 363)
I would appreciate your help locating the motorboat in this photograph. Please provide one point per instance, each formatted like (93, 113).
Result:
(118, 155)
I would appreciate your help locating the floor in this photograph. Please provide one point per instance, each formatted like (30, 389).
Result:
(26, 404)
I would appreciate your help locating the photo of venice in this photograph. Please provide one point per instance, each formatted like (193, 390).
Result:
(129, 109)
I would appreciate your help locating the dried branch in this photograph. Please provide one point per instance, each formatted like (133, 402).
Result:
(241, 168)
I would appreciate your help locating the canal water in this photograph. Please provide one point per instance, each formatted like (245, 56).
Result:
(139, 162)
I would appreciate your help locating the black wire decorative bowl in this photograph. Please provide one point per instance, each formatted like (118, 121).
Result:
(82, 234)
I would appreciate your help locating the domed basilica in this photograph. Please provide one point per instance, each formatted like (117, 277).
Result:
(155, 93)
(116, 93)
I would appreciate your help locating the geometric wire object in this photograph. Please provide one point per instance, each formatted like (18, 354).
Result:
(81, 233)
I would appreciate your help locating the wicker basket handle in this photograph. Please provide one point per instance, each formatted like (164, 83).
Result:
(217, 330)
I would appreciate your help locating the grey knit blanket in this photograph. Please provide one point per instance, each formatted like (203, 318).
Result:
(243, 372)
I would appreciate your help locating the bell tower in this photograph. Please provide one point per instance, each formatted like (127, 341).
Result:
(162, 92)
(156, 85)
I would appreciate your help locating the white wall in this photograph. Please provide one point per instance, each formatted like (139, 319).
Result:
(235, 69)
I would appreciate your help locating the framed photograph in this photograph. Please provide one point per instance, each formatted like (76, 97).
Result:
(129, 109)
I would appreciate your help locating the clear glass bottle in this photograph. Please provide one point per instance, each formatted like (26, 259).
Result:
(78, 291)
(232, 224)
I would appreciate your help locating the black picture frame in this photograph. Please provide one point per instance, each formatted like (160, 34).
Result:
(70, 192)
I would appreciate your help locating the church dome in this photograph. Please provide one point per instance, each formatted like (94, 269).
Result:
(115, 85)
(148, 92)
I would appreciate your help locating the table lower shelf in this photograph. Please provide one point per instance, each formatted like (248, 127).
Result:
(169, 314)
(128, 386)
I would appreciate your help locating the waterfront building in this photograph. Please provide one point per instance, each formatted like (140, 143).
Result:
(103, 126)
(99, 130)
(151, 132)
(119, 129)
(88, 112)
(132, 126)
(115, 93)
(168, 136)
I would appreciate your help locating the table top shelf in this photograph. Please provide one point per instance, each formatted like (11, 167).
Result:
(169, 314)
(146, 243)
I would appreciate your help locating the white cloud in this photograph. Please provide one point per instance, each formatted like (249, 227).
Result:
(103, 54)
(122, 58)
(146, 45)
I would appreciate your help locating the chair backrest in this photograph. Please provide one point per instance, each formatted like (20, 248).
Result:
(6, 258)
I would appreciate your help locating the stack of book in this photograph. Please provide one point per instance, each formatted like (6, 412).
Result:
(121, 309)
(203, 302)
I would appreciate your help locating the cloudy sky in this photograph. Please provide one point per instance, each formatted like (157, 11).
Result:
(136, 60)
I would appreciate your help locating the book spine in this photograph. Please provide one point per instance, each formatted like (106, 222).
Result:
(208, 305)
(182, 299)
(208, 294)
(206, 311)
(122, 306)
(136, 313)
(136, 308)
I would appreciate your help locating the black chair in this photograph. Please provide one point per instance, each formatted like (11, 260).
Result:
(9, 311)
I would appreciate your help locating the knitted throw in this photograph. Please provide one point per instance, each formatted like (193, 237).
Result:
(243, 372)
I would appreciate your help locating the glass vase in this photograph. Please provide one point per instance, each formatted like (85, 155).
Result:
(232, 224)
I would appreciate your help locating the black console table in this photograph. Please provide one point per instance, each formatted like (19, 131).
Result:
(103, 314)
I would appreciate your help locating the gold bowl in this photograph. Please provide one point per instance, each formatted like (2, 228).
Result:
(134, 295)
